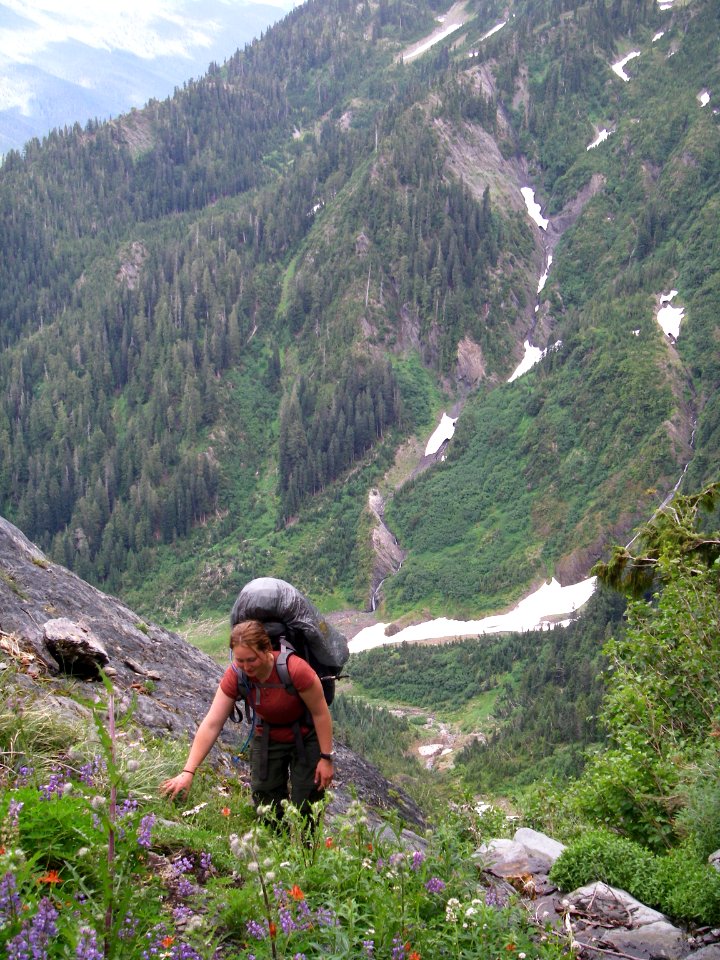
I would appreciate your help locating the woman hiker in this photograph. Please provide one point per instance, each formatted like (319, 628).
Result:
(293, 737)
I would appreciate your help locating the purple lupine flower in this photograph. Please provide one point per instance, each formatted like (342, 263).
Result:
(494, 897)
(398, 950)
(32, 940)
(182, 913)
(369, 948)
(206, 862)
(14, 808)
(280, 894)
(183, 865)
(299, 956)
(256, 930)
(418, 858)
(326, 917)
(303, 915)
(23, 775)
(396, 859)
(286, 920)
(87, 948)
(435, 885)
(183, 951)
(89, 770)
(128, 807)
(185, 888)
(128, 928)
(9, 898)
(54, 786)
(144, 833)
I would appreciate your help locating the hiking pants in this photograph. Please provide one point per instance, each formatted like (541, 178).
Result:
(283, 765)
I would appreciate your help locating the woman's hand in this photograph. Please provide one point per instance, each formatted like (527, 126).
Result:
(324, 773)
(179, 784)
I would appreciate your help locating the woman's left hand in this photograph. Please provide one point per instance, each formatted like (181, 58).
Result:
(324, 773)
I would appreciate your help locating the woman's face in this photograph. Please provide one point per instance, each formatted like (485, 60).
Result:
(248, 659)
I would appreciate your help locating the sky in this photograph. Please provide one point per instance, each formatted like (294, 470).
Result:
(67, 61)
(107, 24)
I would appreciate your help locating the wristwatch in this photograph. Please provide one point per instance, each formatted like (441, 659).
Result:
(328, 756)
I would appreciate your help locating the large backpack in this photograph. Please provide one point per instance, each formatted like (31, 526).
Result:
(294, 626)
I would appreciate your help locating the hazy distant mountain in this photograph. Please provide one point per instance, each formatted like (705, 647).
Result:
(58, 70)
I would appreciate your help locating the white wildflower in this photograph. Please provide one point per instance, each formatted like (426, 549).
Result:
(452, 910)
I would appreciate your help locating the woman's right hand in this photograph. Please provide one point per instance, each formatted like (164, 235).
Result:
(175, 785)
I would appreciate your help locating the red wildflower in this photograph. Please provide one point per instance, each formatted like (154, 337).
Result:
(167, 941)
(329, 843)
(510, 947)
(2, 850)
(369, 846)
(52, 876)
(414, 955)
(225, 811)
(296, 893)
(272, 928)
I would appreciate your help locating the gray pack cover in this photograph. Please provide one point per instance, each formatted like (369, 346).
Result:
(268, 598)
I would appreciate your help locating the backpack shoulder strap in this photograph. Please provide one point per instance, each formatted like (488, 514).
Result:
(243, 683)
(281, 664)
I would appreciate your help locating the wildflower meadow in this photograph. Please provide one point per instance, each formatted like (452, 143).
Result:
(95, 865)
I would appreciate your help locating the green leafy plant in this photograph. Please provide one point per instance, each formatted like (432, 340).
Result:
(688, 887)
(600, 855)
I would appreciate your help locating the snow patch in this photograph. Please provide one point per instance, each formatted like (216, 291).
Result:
(495, 29)
(670, 317)
(532, 613)
(704, 97)
(532, 356)
(436, 38)
(443, 432)
(543, 278)
(600, 138)
(533, 208)
(619, 67)
(658, 36)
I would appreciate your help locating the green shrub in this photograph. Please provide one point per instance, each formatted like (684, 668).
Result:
(700, 818)
(680, 883)
(688, 888)
(600, 855)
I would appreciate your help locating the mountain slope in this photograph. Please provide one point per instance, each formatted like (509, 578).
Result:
(222, 315)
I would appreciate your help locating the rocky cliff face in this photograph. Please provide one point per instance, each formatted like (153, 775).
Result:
(55, 627)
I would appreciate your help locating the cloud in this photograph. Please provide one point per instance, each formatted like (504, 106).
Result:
(146, 28)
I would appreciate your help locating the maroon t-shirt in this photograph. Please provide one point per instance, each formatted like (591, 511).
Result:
(271, 700)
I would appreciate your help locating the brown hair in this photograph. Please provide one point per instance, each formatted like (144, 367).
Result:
(252, 634)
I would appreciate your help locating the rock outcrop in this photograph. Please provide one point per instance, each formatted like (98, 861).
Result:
(595, 920)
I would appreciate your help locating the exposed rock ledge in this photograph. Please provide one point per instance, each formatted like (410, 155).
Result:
(596, 920)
